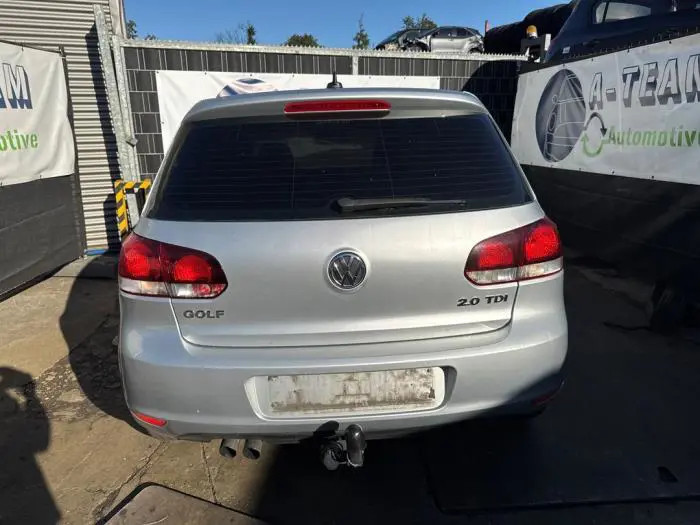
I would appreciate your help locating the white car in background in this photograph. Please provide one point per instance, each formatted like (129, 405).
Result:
(448, 39)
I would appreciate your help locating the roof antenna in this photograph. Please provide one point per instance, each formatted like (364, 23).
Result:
(334, 83)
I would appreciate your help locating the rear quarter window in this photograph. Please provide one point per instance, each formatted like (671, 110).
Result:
(617, 10)
(228, 170)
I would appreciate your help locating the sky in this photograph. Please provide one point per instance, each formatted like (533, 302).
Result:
(333, 23)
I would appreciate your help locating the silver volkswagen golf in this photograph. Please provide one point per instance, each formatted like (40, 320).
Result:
(342, 264)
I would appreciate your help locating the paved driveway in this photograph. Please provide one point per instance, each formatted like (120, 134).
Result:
(619, 446)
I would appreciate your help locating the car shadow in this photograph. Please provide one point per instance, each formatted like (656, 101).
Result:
(94, 359)
(24, 430)
(397, 483)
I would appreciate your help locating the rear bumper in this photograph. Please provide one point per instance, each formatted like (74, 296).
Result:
(204, 393)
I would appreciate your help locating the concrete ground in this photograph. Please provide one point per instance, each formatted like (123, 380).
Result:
(618, 446)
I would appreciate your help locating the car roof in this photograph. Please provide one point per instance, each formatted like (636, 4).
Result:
(246, 104)
(396, 34)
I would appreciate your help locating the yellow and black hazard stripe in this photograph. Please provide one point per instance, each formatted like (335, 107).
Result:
(120, 198)
(121, 187)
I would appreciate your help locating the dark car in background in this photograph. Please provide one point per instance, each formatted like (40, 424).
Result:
(507, 38)
(449, 39)
(599, 26)
(399, 39)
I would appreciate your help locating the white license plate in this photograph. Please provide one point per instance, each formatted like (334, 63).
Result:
(359, 392)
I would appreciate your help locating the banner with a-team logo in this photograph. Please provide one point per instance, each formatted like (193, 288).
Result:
(178, 91)
(36, 139)
(634, 113)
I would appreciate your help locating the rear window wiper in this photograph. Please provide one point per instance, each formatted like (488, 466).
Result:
(349, 205)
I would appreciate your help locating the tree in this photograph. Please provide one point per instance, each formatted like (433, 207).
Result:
(250, 34)
(243, 34)
(422, 22)
(131, 31)
(304, 40)
(361, 38)
(229, 36)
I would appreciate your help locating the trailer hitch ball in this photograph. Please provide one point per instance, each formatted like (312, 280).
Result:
(348, 449)
(356, 445)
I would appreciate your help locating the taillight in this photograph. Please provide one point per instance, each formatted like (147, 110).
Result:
(148, 267)
(526, 253)
(316, 107)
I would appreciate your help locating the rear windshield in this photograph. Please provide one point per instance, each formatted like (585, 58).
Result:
(229, 170)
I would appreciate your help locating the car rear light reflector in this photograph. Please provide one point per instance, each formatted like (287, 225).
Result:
(148, 267)
(525, 253)
(337, 106)
(155, 421)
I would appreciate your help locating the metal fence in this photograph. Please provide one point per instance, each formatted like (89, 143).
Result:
(492, 78)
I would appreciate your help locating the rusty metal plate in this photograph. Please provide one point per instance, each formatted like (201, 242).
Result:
(359, 392)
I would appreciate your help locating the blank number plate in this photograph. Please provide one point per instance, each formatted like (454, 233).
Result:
(360, 392)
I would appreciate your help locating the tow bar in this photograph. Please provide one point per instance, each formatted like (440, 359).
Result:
(346, 450)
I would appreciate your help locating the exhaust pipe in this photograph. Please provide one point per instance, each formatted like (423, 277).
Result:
(229, 448)
(252, 448)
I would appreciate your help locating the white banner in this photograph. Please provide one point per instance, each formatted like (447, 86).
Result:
(634, 113)
(178, 91)
(36, 141)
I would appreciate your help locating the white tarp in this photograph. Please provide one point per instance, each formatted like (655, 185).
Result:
(178, 91)
(36, 140)
(635, 113)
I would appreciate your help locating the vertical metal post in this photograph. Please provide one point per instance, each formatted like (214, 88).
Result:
(355, 64)
(120, 199)
(114, 105)
(125, 105)
(79, 216)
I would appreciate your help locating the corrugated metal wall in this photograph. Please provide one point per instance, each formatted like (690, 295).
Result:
(70, 23)
(492, 78)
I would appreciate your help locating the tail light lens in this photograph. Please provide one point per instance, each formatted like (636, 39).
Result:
(148, 267)
(526, 253)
